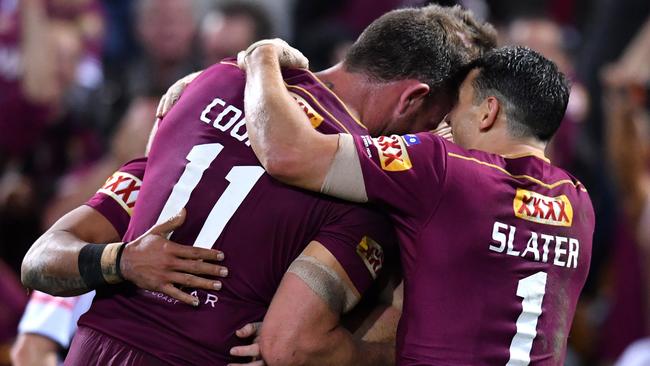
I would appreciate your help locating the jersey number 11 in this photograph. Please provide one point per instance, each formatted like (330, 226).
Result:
(241, 178)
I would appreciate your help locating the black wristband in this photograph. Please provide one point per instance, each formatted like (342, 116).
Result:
(118, 259)
(90, 265)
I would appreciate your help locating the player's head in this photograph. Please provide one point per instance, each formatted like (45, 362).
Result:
(511, 94)
(411, 54)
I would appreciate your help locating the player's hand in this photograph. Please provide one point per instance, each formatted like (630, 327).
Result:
(173, 93)
(154, 263)
(287, 55)
(251, 350)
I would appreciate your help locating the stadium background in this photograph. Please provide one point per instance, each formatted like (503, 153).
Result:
(80, 81)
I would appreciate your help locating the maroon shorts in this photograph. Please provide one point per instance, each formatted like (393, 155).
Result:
(90, 347)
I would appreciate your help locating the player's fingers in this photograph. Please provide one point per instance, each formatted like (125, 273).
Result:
(179, 295)
(159, 110)
(198, 267)
(169, 225)
(248, 330)
(241, 60)
(251, 350)
(253, 363)
(190, 280)
(172, 97)
(187, 252)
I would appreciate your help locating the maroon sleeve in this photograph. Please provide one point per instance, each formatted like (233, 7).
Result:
(405, 173)
(357, 237)
(116, 198)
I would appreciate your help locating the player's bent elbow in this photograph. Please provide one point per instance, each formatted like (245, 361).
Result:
(289, 351)
(283, 166)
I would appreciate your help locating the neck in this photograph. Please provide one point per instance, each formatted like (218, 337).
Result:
(352, 88)
(510, 148)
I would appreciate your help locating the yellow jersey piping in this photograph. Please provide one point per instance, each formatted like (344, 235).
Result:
(523, 176)
(319, 105)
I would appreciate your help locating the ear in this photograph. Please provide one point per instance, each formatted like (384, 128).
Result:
(412, 97)
(489, 112)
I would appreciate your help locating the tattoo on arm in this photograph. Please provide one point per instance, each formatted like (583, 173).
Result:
(37, 278)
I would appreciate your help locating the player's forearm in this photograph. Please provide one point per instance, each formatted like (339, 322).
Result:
(341, 348)
(34, 350)
(51, 265)
(280, 133)
(39, 76)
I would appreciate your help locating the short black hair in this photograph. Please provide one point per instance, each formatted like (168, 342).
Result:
(429, 44)
(533, 92)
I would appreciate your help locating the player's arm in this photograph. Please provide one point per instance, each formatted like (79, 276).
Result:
(52, 263)
(308, 332)
(34, 350)
(72, 257)
(280, 133)
(354, 168)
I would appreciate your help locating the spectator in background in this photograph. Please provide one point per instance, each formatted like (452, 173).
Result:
(166, 31)
(627, 106)
(545, 36)
(43, 131)
(231, 27)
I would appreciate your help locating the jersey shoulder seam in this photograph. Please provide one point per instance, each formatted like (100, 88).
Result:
(577, 185)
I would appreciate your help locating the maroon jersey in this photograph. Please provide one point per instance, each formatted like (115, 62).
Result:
(495, 250)
(201, 160)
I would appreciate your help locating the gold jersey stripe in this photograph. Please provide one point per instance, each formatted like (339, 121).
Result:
(338, 99)
(523, 176)
(319, 105)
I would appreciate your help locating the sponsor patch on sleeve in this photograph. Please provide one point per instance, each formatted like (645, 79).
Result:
(372, 255)
(411, 140)
(314, 117)
(392, 153)
(123, 188)
(535, 207)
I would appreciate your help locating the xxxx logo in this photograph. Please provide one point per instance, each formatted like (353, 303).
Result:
(372, 255)
(535, 207)
(315, 118)
(392, 153)
(124, 188)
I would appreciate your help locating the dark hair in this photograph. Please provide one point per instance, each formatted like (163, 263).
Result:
(529, 86)
(263, 26)
(429, 44)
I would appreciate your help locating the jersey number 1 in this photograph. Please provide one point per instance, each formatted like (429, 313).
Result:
(241, 178)
(532, 289)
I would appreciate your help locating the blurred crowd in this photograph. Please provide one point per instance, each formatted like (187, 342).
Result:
(80, 81)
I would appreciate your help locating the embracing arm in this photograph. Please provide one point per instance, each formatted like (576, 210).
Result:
(308, 332)
(51, 264)
(279, 131)
(152, 262)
